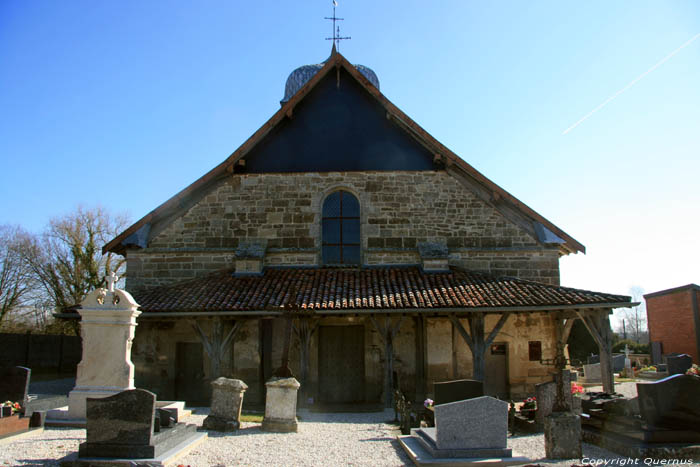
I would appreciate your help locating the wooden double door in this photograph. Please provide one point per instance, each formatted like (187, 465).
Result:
(341, 364)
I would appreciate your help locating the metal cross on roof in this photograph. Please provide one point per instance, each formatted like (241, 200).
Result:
(336, 29)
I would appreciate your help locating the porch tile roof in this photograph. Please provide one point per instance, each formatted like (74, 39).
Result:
(328, 289)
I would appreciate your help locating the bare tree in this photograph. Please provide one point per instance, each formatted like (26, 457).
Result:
(15, 276)
(634, 320)
(67, 261)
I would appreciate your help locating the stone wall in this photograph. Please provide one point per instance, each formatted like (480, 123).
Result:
(398, 210)
(665, 312)
(154, 355)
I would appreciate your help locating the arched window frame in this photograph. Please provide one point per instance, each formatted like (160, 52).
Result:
(343, 244)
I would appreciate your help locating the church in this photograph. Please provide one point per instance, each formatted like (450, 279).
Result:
(343, 238)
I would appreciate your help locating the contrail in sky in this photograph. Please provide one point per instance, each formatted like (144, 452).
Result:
(632, 83)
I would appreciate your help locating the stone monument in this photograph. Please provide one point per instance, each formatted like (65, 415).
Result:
(281, 405)
(469, 431)
(226, 402)
(108, 320)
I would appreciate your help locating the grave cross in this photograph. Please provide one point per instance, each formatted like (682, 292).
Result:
(559, 362)
(111, 279)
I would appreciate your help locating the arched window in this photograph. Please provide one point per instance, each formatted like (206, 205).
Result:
(340, 229)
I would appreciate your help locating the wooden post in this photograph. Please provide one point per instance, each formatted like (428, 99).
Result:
(216, 344)
(598, 324)
(419, 323)
(387, 332)
(304, 329)
(475, 339)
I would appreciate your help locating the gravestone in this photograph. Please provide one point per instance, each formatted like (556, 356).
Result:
(678, 364)
(546, 395)
(562, 436)
(618, 361)
(107, 326)
(592, 372)
(656, 351)
(14, 384)
(124, 426)
(226, 403)
(281, 405)
(457, 390)
(488, 427)
(465, 431)
(671, 408)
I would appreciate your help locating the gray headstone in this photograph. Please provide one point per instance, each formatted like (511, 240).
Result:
(126, 418)
(457, 390)
(546, 395)
(677, 364)
(481, 422)
(672, 402)
(14, 384)
(592, 372)
(656, 351)
(618, 363)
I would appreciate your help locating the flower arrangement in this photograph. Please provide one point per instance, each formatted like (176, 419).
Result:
(693, 370)
(648, 368)
(529, 404)
(428, 403)
(15, 406)
(576, 388)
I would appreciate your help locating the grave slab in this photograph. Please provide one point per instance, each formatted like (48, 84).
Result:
(421, 457)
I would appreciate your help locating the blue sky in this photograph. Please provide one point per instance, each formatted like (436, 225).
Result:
(125, 103)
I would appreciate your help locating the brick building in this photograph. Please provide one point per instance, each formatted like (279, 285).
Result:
(398, 262)
(673, 317)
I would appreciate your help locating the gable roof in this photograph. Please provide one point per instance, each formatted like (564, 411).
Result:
(515, 210)
(326, 290)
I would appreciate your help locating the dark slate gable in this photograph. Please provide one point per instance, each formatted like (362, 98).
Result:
(337, 129)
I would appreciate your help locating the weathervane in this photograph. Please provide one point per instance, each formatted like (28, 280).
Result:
(336, 29)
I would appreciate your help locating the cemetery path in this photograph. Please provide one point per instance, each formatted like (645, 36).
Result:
(323, 439)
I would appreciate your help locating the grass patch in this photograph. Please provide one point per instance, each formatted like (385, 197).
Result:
(251, 417)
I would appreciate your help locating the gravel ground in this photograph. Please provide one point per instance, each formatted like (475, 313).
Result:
(323, 439)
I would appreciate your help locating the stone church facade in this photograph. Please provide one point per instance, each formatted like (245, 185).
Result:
(395, 261)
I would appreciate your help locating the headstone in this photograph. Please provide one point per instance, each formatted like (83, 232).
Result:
(125, 418)
(107, 325)
(677, 364)
(592, 372)
(14, 384)
(125, 426)
(618, 362)
(546, 395)
(672, 402)
(457, 390)
(476, 423)
(656, 351)
(281, 405)
(466, 432)
(226, 403)
(562, 436)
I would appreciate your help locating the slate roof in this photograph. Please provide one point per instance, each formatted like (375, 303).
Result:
(339, 290)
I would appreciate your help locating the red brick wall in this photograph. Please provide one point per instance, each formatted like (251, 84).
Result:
(671, 321)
